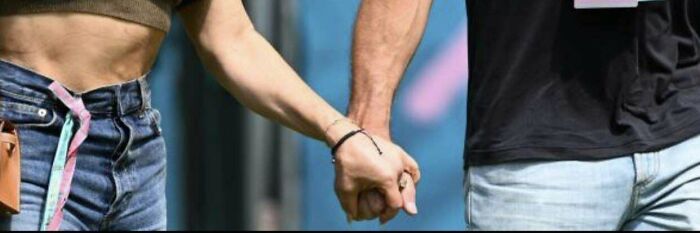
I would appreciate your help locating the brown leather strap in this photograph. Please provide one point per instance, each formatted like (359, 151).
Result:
(9, 138)
(6, 126)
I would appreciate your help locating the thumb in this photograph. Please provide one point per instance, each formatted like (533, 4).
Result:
(409, 195)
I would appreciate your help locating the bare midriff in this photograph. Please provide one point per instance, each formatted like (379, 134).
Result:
(81, 51)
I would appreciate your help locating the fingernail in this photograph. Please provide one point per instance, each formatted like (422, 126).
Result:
(412, 208)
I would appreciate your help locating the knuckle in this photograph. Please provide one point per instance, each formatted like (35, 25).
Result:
(346, 188)
(416, 174)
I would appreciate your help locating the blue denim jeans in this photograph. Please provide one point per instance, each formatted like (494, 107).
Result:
(646, 191)
(119, 181)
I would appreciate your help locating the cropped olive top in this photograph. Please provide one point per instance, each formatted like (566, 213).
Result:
(153, 13)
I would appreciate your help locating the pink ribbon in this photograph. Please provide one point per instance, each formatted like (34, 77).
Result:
(78, 109)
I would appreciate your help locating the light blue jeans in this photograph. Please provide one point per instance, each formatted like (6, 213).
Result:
(649, 191)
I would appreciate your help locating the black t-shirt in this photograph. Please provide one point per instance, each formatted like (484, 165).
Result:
(695, 14)
(551, 82)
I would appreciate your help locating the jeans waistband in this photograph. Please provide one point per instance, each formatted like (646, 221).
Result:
(120, 99)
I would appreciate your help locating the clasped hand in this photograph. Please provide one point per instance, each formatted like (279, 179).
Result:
(369, 184)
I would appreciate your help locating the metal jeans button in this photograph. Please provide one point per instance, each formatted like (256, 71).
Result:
(42, 112)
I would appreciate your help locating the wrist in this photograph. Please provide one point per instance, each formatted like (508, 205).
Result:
(375, 124)
(372, 113)
(337, 130)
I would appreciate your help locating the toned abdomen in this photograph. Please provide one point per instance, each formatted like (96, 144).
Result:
(81, 51)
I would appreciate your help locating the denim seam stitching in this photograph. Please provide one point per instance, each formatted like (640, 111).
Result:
(653, 171)
(155, 121)
(629, 212)
(22, 97)
(469, 198)
(635, 201)
(111, 210)
(125, 153)
(642, 172)
(635, 188)
(116, 148)
(40, 125)
(20, 107)
(657, 165)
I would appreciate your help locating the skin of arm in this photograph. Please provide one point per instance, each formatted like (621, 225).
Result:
(255, 74)
(386, 35)
(251, 69)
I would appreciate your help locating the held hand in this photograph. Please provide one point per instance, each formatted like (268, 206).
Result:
(359, 167)
(372, 203)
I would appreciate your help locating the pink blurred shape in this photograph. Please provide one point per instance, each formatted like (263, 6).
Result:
(441, 81)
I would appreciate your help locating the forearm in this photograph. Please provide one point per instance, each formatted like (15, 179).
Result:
(387, 33)
(253, 72)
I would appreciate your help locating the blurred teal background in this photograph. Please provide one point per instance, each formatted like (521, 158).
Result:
(230, 169)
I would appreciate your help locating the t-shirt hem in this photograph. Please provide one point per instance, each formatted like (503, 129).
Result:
(496, 156)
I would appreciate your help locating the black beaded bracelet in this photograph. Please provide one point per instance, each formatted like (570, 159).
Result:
(348, 136)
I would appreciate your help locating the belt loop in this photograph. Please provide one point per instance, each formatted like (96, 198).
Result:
(118, 100)
(145, 93)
